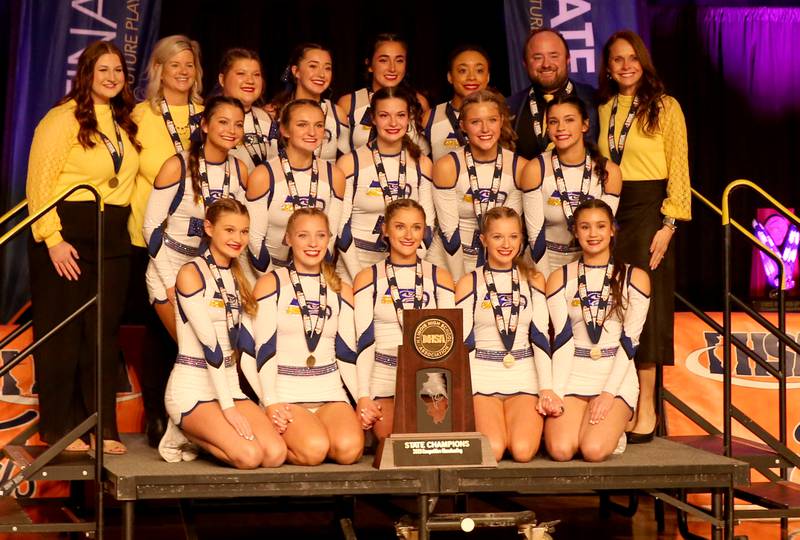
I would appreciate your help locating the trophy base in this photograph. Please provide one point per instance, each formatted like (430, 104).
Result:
(439, 450)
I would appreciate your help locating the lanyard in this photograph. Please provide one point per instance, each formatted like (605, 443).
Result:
(292, 185)
(452, 116)
(170, 123)
(491, 201)
(116, 155)
(594, 321)
(561, 185)
(311, 332)
(614, 149)
(386, 187)
(204, 183)
(394, 290)
(507, 331)
(257, 155)
(233, 324)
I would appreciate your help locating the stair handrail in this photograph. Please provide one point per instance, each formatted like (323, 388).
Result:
(779, 332)
(96, 300)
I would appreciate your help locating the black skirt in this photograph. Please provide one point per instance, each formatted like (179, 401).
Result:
(639, 218)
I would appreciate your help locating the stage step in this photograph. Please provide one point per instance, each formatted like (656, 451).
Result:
(754, 453)
(781, 495)
(40, 516)
(65, 466)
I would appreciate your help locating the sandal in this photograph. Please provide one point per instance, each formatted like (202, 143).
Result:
(77, 446)
(111, 447)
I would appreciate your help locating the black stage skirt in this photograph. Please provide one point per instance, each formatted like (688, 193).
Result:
(639, 217)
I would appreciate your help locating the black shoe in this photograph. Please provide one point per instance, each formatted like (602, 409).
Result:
(640, 438)
(155, 430)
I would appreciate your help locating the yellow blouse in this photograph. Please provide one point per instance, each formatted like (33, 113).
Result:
(653, 157)
(58, 162)
(157, 147)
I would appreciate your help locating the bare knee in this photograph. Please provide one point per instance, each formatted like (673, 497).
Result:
(498, 445)
(312, 451)
(247, 456)
(523, 450)
(594, 451)
(560, 450)
(347, 449)
(274, 454)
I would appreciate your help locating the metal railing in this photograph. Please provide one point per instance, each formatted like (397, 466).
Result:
(96, 419)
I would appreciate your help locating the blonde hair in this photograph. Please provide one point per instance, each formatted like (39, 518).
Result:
(164, 49)
(528, 270)
(327, 269)
(225, 205)
(508, 137)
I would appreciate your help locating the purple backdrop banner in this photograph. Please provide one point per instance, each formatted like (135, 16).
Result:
(585, 24)
(50, 36)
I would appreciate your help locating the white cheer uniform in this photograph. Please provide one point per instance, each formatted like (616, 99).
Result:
(531, 370)
(441, 133)
(378, 330)
(456, 214)
(360, 243)
(575, 373)
(269, 214)
(264, 146)
(281, 347)
(173, 223)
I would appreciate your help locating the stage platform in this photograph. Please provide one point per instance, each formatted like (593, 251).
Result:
(659, 468)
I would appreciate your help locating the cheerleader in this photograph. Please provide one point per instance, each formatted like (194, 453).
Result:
(386, 67)
(186, 185)
(167, 118)
(389, 168)
(486, 165)
(402, 281)
(643, 131)
(203, 398)
(468, 71)
(597, 308)
(308, 76)
(510, 369)
(304, 338)
(295, 179)
(240, 76)
(572, 172)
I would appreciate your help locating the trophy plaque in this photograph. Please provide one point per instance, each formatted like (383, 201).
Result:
(434, 422)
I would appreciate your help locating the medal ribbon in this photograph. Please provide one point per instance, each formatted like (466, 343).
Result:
(614, 149)
(233, 323)
(312, 332)
(386, 187)
(170, 123)
(292, 185)
(395, 290)
(116, 155)
(561, 185)
(594, 321)
(450, 111)
(204, 183)
(538, 120)
(258, 155)
(479, 206)
(507, 332)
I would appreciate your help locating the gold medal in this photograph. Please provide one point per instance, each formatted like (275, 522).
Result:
(508, 360)
(114, 182)
(310, 361)
(595, 353)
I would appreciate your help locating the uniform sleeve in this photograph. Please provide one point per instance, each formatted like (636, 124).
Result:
(344, 242)
(533, 210)
(334, 212)
(468, 305)
(678, 203)
(632, 323)
(539, 340)
(194, 309)
(247, 361)
(563, 350)
(343, 142)
(52, 142)
(265, 334)
(365, 332)
(445, 201)
(611, 200)
(162, 202)
(346, 346)
(426, 201)
(445, 297)
(259, 223)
